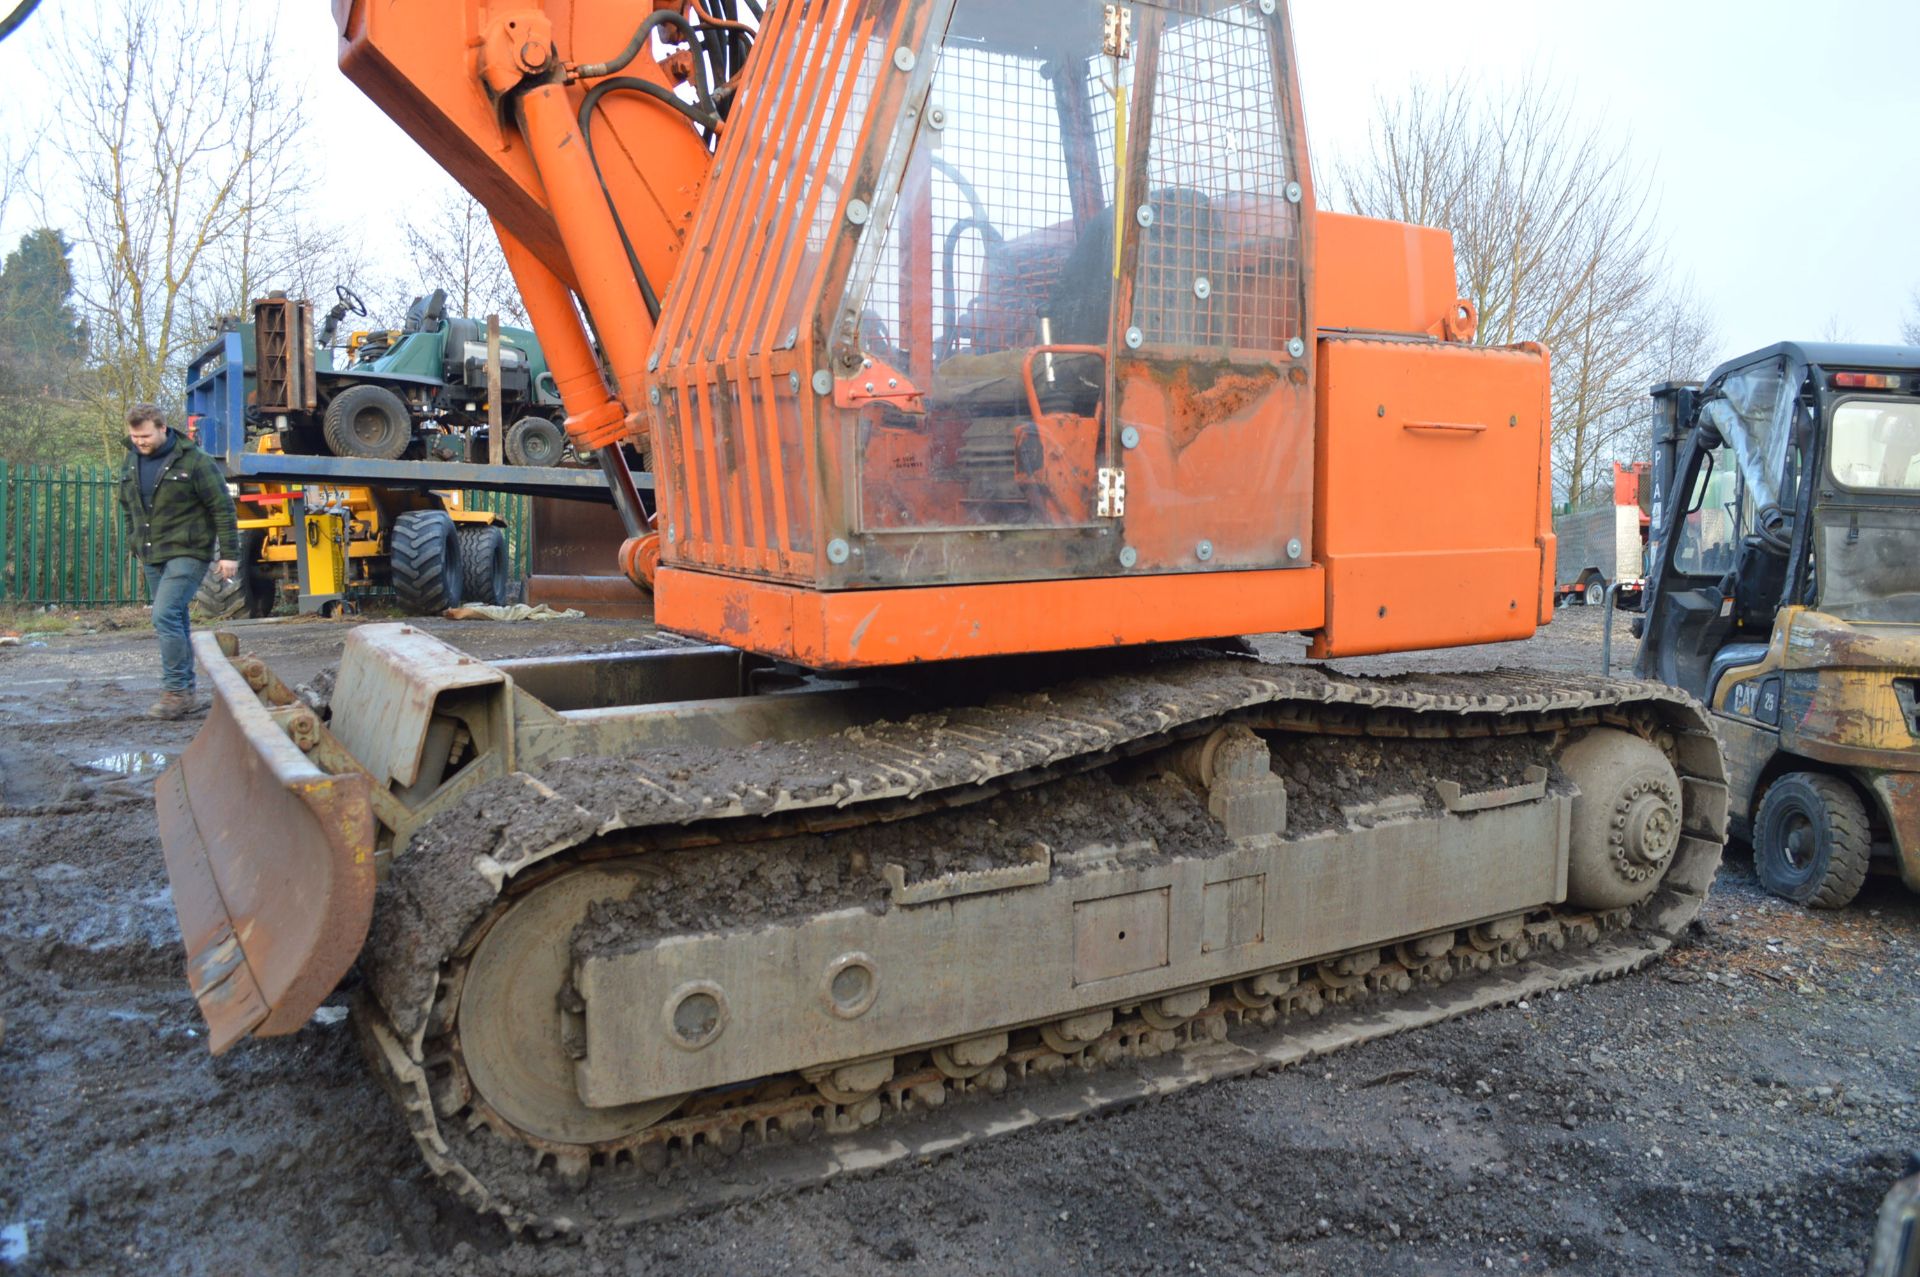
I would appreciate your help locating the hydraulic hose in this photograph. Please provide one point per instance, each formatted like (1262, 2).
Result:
(641, 34)
(592, 99)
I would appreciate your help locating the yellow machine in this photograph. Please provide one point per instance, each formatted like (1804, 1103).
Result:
(324, 545)
(1785, 593)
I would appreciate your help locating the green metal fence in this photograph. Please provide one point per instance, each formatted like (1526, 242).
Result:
(62, 542)
(61, 538)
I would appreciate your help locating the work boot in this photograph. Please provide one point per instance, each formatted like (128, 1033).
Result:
(173, 705)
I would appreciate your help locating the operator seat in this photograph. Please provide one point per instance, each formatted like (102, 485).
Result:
(1759, 579)
(1174, 252)
(425, 313)
(1082, 297)
(1182, 247)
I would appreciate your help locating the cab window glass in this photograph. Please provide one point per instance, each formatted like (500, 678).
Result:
(1718, 516)
(1876, 444)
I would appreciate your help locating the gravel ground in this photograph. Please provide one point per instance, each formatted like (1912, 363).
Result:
(1739, 1108)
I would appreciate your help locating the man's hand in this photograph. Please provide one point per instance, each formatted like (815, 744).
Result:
(226, 568)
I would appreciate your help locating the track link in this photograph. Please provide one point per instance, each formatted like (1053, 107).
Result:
(788, 1131)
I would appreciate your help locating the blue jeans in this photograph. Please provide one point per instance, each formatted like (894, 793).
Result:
(172, 587)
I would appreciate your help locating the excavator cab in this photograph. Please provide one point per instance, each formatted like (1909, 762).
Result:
(1046, 292)
(1786, 596)
(990, 301)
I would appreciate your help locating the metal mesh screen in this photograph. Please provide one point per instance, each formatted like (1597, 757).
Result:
(992, 190)
(1220, 266)
(839, 161)
(1002, 177)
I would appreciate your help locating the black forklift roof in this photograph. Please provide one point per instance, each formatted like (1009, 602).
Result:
(1828, 354)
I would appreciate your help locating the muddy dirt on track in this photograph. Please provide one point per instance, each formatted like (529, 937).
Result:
(1739, 1108)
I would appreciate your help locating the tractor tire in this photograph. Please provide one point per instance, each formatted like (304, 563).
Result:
(1811, 840)
(535, 441)
(251, 592)
(220, 600)
(1595, 593)
(423, 560)
(483, 564)
(367, 421)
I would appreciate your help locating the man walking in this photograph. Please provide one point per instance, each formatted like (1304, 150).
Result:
(177, 512)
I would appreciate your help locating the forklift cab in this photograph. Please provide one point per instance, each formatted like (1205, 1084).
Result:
(1784, 592)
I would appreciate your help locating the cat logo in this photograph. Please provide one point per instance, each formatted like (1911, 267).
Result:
(1745, 696)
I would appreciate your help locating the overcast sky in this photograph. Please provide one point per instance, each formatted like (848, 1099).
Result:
(1780, 138)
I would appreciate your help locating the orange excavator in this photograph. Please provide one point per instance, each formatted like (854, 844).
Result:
(995, 373)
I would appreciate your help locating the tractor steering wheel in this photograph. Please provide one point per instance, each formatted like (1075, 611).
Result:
(350, 299)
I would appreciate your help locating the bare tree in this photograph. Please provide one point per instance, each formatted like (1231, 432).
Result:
(452, 246)
(1684, 346)
(1910, 322)
(181, 139)
(13, 170)
(274, 242)
(1554, 241)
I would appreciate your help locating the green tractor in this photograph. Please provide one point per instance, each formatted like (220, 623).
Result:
(418, 391)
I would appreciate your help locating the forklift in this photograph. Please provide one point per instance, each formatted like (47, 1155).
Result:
(1784, 592)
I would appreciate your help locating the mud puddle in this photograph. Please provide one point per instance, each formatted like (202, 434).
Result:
(132, 762)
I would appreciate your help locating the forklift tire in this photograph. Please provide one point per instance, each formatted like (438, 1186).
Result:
(1811, 840)
(535, 441)
(367, 421)
(423, 559)
(483, 563)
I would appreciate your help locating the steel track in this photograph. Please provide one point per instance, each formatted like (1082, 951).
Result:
(783, 1134)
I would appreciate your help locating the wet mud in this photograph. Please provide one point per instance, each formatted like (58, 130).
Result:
(1737, 1109)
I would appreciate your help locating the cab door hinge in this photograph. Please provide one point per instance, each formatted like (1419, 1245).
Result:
(1118, 42)
(1112, 499)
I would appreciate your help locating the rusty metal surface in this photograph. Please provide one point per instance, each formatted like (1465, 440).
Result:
(1898, 794)
(390, 678)
(271, 864)
(1840, 703)
(576, 560)
(575, 538)
(601, 596)
(1749, 748)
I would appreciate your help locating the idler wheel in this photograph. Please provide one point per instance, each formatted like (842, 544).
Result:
(513, 1035)
(1626, 818)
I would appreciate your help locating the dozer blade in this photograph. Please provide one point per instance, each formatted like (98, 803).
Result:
(271, 861)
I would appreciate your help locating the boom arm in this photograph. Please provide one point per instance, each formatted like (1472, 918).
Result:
(591, 169)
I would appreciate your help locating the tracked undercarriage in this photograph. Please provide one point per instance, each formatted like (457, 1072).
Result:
(618, 987)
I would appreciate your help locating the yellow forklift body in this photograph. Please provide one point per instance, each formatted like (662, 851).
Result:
(1837, 692)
